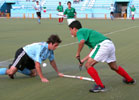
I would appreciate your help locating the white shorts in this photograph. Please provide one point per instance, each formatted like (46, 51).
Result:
(60, 14)
(70, 20)
(132, 13)
(104, 52)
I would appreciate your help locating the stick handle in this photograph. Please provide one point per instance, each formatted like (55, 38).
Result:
(80, 67)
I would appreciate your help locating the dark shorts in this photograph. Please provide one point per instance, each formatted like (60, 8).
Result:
(112, 13)
(38, 14)
(22, 60)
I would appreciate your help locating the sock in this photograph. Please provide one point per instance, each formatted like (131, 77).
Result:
(59, 20)
(123, 73)
(25, 71)
(62, 19)
(39, 20)
(111, 17)
(93, 73)
(3, 71)
(132, 17)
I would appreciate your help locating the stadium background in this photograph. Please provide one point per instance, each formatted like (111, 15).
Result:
(84, 8)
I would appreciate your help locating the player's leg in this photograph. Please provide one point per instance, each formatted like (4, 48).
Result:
(30, 65)
(62, 19)
(25, 71)
(39, 17)
(3, 71)
(17, 65)
(33, 73)
(11, 71)
(96, 55)
(94, 74)
(59, 20)
(133, 16)
(122, 72)
(111, 60)
(112, 15)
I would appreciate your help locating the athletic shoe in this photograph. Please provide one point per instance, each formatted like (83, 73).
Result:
(130, 82)
(97, 88)
(11, 76)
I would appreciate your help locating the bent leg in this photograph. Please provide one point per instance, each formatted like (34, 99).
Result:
(25, 71)
(92, 71)
(3, 71)
(33, 73)
(120, 71)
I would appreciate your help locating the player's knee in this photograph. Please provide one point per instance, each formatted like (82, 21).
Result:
(33, 74)
(87, 65)
(115, 68)
(10, 72)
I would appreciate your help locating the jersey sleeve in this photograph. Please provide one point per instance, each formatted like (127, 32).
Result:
(51, 57)
(37, 56)
(80, 36)
(65, 12)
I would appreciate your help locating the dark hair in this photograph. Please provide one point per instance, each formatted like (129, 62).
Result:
(68, 2)
(75, 24)
(54, 39)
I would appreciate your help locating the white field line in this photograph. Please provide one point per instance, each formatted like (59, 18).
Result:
(125, 29)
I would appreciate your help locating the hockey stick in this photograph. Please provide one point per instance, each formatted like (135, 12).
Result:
(78, 77)
(80, 67)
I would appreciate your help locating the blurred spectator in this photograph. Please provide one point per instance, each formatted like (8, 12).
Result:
(133, 9)
(76, 1)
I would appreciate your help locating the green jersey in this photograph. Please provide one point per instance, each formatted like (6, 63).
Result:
(70, 13)
(133, 9)
(91, 37)
(60, 8)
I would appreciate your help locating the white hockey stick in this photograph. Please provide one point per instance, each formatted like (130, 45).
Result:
(78, 77)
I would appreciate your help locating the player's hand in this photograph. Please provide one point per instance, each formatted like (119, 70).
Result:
(81, 64)
(77, 56)
(60, 74)
(44, 80)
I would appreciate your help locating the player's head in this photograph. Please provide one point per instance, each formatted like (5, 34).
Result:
(59, 3)
(53, 42)
(74, 27)
(69, 4)
(37, 2)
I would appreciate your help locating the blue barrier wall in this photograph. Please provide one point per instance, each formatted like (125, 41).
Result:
(86, 8)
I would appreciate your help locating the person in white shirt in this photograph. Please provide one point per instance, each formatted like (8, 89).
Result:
(112, 8)
(38, 9)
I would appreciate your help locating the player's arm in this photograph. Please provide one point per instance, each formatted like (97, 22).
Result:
(53, 64)
(65, 12)
(57, 9)
(75, 13)
(39, 71)
(80, 46)
(86, 58)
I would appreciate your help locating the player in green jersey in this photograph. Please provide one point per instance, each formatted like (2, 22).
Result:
(60, 12)
(102, 49)
(70, 12)
(133, 9)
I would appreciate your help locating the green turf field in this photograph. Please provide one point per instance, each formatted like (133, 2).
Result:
(15, 33)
